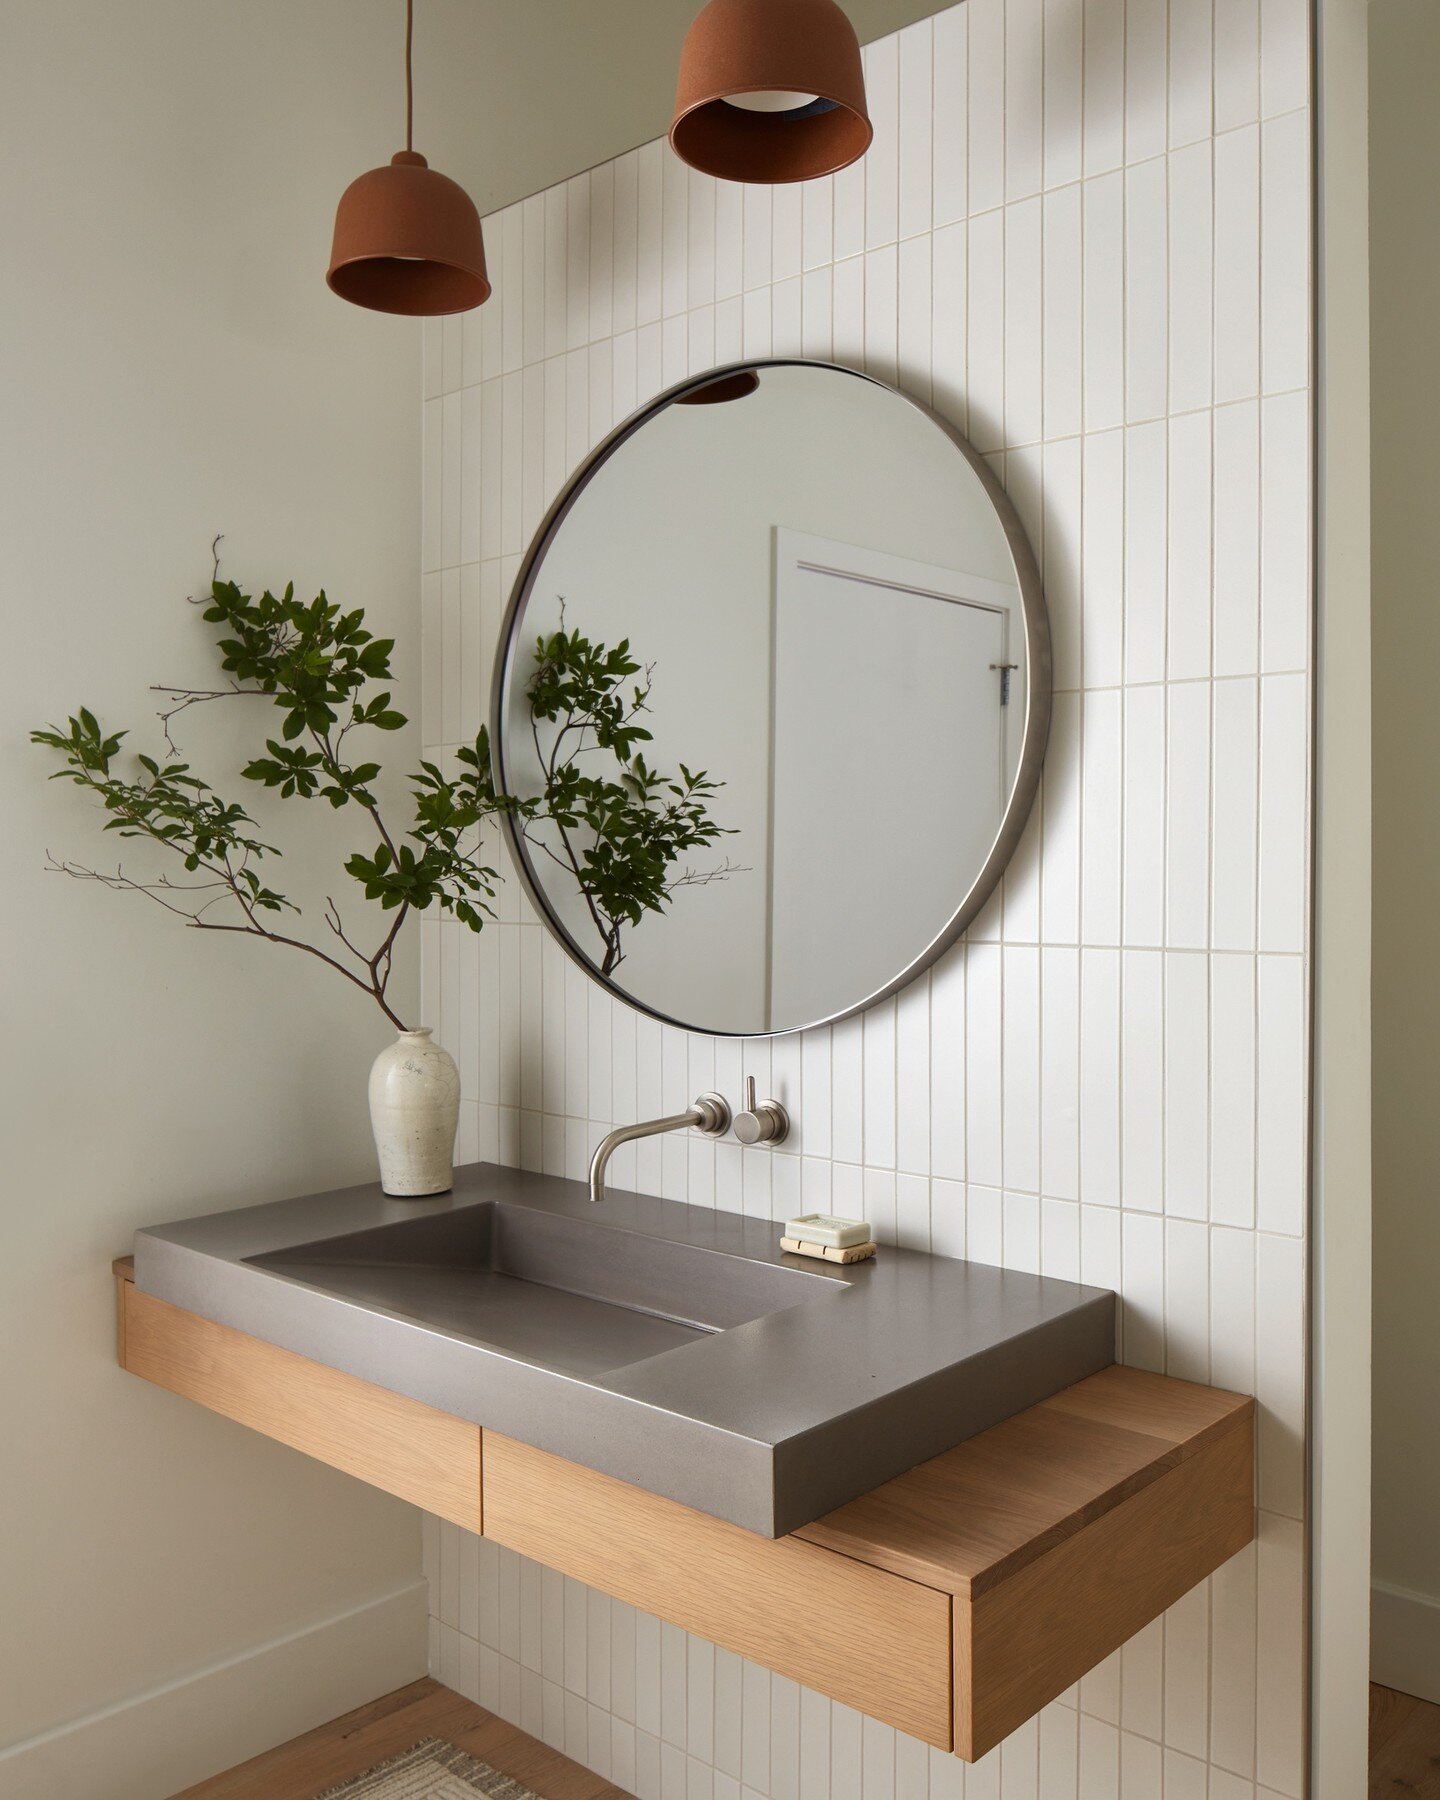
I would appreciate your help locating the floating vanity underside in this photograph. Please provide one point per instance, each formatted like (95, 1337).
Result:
(953, 1601)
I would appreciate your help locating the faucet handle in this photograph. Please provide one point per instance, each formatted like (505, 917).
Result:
(765, 1122)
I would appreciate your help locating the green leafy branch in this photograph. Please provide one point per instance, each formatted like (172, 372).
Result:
(315, 663)
(620, 828)
(621, 833)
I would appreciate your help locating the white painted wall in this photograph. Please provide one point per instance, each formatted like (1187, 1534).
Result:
(1405, 376)
(173, 366)
(1083, 230)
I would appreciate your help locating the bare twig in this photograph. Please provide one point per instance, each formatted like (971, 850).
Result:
(215, 543)
(186, 697)
(157, 890)
(332, 919)
(703, 877)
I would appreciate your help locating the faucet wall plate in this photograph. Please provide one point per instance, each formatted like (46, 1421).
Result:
(716, 1109)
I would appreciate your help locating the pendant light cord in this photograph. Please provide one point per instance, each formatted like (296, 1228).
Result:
(409, 75)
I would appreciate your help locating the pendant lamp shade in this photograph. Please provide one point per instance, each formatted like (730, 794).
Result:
(770, 91)
(407, 240)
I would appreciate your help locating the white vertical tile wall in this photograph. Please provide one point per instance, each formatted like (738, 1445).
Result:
(1083, 230)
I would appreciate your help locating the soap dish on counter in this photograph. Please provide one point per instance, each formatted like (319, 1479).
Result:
(832, 1253)
(828, 1238)
(826, 1228)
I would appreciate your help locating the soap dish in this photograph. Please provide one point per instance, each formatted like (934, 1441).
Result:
(826, 1228)
(834, 1253)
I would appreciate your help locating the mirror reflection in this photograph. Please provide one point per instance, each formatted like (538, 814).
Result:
(772, 699)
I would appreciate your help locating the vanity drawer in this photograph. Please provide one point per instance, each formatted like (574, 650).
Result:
(387, 1439)
(874, 1640)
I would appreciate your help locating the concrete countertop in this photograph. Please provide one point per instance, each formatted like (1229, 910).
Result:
(669, 1345)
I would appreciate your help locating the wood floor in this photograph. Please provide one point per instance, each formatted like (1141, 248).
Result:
(308, 1765)
(1404, 1750)
(1404, 1746)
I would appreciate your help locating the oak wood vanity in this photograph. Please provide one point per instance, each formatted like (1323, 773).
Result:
(952, 1602)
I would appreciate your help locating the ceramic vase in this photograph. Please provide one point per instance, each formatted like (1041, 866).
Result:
(414, 1109)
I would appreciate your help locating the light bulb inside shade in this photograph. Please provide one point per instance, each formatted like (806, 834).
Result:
(770, 101)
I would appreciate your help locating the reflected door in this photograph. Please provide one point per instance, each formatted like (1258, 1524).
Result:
(890, 678)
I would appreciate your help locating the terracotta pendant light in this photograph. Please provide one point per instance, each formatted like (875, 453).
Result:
(407, 238)
(770, 91)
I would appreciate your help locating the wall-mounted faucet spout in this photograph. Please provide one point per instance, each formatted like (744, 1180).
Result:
(710, 1114)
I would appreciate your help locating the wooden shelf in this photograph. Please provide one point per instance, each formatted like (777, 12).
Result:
(953, 1602)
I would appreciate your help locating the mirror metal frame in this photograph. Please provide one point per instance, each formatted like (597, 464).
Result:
(1039, 687)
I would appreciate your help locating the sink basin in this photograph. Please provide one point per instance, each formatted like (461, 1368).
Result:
(562, 1293)
(669, 1345)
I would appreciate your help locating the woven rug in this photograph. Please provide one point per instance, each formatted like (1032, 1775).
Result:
(432, 1770)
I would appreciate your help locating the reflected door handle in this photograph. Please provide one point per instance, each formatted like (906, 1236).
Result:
(764, 1123)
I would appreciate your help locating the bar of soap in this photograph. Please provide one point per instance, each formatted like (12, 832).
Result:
(852, 1253)
(825, 1228)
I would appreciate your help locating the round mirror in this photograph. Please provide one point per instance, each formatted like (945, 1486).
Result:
(772, 698)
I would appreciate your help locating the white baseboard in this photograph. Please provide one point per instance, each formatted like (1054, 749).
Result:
(1405, 1640)
(170, 1737)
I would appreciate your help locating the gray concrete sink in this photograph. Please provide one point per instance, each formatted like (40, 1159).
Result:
(572, 1295)
(669, 1345)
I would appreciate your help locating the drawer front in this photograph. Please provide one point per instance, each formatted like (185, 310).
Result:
(1023, 1641)
(392, 1442)
(876, 1641)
